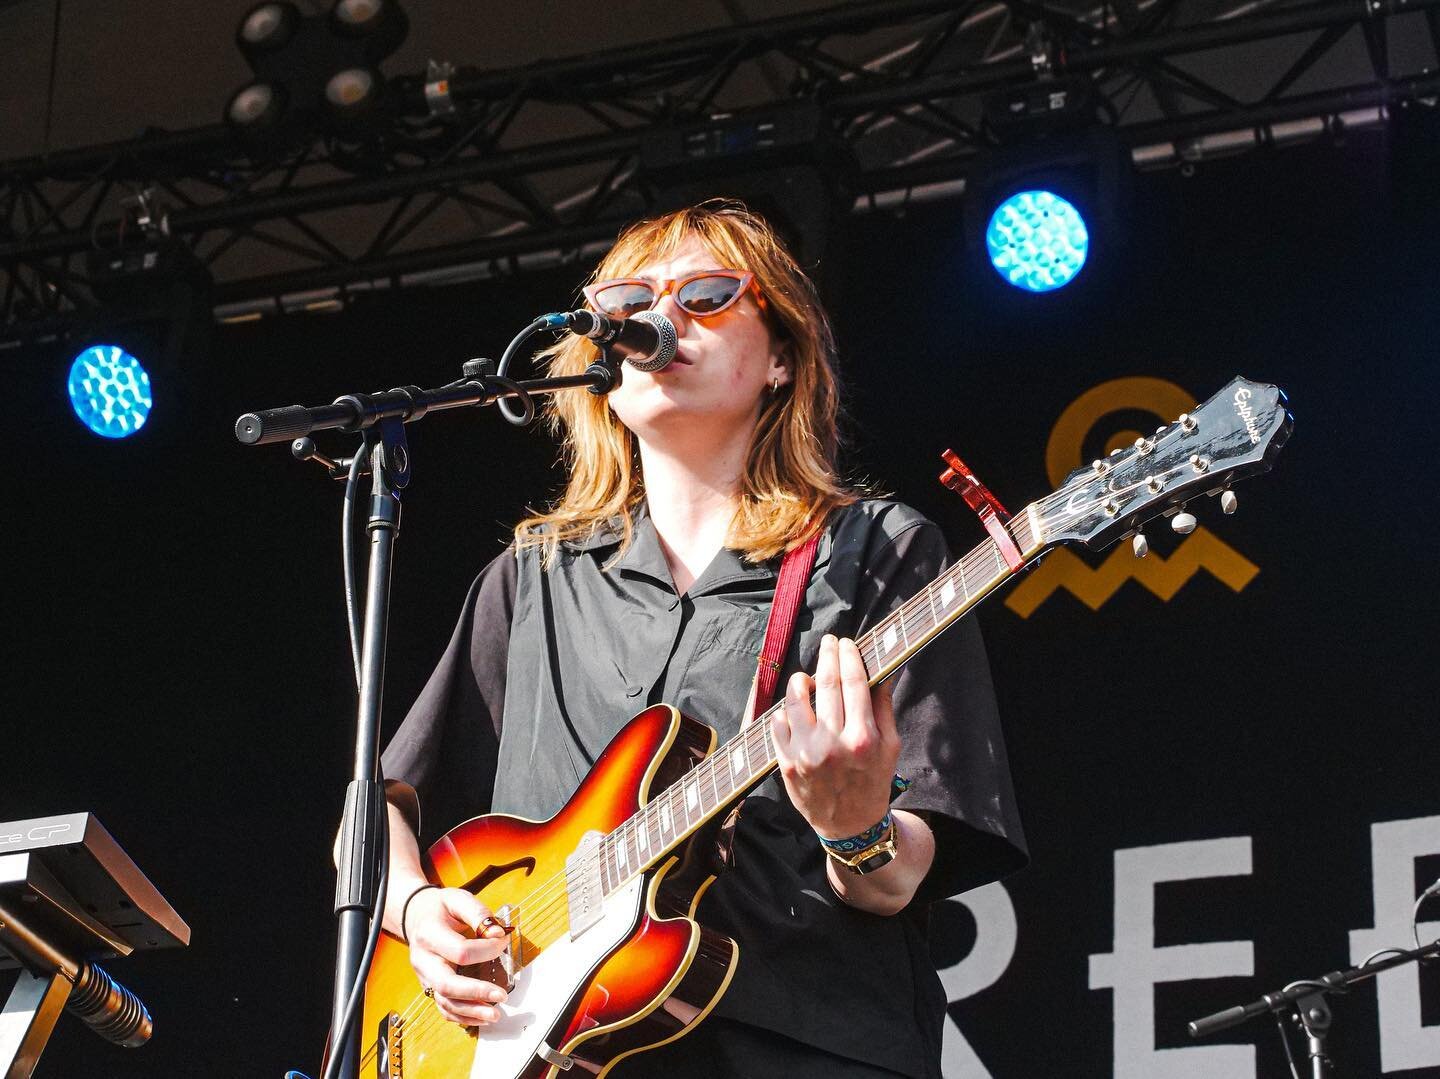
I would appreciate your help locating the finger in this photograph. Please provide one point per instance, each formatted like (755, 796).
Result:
(882, 707)
(467, 1015)
(780, 733)
(434, 973)
(860, 727)
(464, 907)
(456, 948)
(798, 712)
(829, 702)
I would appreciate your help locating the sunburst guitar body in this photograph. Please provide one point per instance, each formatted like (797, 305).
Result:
(605, 959)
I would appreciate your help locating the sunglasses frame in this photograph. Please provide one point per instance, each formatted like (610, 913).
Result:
(673, 286)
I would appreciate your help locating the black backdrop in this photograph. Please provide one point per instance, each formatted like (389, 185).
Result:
(179, 665)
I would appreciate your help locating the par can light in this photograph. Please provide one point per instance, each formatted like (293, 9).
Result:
(267, 27)
(1037, 241)
(109, 391)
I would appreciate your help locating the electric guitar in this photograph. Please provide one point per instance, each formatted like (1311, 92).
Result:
(605, 958)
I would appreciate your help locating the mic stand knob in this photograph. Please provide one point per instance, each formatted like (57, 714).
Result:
(605, 372)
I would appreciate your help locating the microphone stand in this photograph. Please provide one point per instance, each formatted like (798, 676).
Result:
(1309, 999)
(380, 418)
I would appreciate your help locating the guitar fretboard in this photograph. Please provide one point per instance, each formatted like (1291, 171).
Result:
(721, 778)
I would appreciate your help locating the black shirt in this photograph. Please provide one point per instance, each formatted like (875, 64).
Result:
(546, 666)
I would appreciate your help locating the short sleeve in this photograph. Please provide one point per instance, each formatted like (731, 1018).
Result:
(952, 746)
(447, 746)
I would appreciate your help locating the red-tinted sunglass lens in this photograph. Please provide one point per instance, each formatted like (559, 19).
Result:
(624, 300)
(706, 295)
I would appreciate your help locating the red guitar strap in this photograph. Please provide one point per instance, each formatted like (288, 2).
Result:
(789, 590)
(779, 628)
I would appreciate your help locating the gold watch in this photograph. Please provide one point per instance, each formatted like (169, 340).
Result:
(868, 859)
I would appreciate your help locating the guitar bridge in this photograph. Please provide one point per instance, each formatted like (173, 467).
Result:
(389, 1059)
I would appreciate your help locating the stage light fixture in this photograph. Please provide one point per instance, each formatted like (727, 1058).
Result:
(1037, 241)
(380, 23)
(256, 107)
(353, 93)
(266, 28)
(109, 391)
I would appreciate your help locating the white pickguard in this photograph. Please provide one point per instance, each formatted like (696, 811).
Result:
(547, 983)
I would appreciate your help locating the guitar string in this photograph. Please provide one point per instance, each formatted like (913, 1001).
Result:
(550, 913)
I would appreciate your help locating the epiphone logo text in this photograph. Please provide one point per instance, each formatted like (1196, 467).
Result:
(1246, 413)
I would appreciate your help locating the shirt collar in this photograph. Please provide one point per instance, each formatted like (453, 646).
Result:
(645, 556)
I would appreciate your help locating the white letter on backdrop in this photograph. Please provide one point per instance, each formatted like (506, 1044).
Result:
(1134, 968)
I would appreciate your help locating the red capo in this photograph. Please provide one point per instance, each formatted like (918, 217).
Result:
(993, 515)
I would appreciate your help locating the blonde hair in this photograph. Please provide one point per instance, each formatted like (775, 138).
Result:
(790, 481)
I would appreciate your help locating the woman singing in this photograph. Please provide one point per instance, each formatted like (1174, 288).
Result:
(649, 581)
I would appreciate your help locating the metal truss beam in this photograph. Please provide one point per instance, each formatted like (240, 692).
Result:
(327, 214)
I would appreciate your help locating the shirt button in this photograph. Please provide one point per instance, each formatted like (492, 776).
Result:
(634, 691)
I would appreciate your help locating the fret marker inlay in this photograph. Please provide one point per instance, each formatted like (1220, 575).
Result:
(947, 593)
(889, 639)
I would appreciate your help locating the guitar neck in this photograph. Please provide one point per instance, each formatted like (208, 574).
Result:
(727, 774)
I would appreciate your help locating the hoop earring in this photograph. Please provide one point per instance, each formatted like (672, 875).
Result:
(775, 386)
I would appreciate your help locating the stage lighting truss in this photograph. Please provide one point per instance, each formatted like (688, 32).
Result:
(455, 173)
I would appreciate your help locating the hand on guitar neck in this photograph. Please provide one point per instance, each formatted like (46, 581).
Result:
(837, 758)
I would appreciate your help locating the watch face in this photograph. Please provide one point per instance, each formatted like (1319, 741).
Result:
(871, 862)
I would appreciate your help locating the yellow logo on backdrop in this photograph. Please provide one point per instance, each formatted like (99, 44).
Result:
(1093, 586)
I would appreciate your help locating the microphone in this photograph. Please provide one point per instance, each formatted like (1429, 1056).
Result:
(647, 342)
(111, 1010)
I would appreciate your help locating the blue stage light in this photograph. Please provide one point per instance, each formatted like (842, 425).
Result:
(1037, 241)
(110, 391)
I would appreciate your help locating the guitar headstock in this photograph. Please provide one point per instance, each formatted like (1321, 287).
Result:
(1235, 434)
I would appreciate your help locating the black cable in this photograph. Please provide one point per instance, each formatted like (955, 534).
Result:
(347, 555)
(1285, 1041)
(1428, 893)
(54, 63)
(338, 1039)
(503, 403)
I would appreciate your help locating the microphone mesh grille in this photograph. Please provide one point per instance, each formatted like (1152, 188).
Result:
(669, 342)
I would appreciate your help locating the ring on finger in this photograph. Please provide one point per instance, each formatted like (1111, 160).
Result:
(430, 991)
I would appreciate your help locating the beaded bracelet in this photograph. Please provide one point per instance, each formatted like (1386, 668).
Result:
(869, 837)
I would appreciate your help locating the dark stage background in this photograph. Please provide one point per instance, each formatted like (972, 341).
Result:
(179, 664)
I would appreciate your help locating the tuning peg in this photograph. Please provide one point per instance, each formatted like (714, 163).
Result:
(1188, 423)
(1184, 523)
(1140, 545)
(1228, 501)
